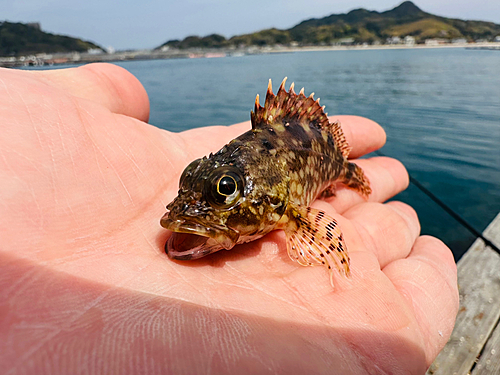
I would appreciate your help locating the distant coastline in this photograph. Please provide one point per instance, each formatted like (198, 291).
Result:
(403, 27)
(44, 59)
(485, 45)
(405, 24)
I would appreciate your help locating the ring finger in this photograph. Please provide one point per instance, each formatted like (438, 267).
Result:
(388, 230)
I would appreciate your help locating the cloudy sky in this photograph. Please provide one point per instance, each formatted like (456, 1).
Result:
(149, 23)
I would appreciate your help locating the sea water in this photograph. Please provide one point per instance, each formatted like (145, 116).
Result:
(439, 107)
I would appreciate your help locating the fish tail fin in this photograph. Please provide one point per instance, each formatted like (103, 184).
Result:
(354, 178)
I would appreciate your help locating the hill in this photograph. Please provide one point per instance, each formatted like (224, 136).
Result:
(24, 39)
(359, 26)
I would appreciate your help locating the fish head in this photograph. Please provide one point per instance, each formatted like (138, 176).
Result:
(221, 202)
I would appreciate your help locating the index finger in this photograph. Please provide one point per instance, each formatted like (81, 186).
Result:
(362, 134)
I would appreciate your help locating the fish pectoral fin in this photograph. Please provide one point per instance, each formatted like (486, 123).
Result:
(313, 237)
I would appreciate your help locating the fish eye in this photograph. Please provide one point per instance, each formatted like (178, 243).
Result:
(225, 187)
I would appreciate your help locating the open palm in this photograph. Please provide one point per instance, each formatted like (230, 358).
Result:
(86, 287)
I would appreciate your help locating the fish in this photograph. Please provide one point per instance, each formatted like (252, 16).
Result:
(265, 180)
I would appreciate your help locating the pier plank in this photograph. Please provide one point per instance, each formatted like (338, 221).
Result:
(489, 362)
(479, 285)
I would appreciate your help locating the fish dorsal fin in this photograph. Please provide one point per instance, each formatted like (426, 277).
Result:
(289, 107)
(339, 137)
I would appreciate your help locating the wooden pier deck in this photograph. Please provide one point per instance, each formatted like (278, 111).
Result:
(474, 346)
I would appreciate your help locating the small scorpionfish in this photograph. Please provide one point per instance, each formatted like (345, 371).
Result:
(265, 179)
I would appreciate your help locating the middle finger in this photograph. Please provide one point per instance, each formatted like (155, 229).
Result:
(387, 177)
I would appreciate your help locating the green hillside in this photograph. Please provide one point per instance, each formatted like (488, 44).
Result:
(22, 39)
(361, 25)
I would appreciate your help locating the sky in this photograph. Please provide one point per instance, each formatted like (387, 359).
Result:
(129, 24)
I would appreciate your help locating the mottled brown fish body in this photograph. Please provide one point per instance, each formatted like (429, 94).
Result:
(266, 179)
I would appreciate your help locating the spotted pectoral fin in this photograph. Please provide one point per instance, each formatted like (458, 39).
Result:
(314, 238)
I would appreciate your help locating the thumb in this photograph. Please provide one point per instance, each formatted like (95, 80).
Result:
(106, 84)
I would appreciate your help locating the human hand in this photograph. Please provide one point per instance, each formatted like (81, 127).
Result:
(86, 287)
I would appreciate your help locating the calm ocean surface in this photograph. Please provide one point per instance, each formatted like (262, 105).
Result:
(439, 107)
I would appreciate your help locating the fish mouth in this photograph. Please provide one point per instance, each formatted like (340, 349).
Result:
(192, 240)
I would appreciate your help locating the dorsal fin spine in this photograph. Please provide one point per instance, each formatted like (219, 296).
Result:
(287, 105)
